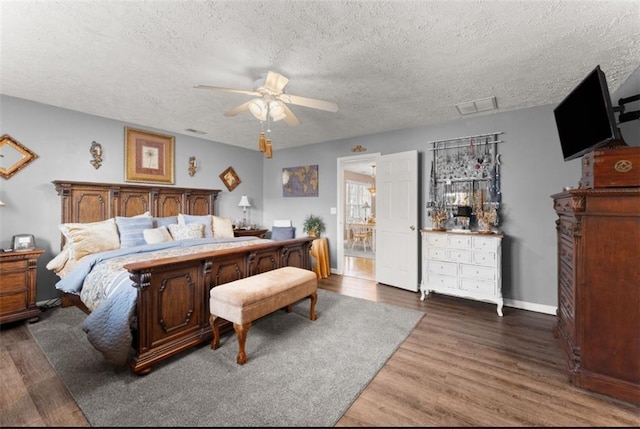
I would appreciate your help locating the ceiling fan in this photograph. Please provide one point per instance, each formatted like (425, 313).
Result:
(271, 101)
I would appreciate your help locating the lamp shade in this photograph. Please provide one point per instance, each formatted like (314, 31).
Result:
(244, 202)
(1, 204)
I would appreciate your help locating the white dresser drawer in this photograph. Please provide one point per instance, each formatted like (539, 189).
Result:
(438, 240)
(477, 272)
(440, 267)
(437, 281)
(488, 259)
(459, 255)
(485, 243)
(478, 287)
(437, 253)
(459, 241)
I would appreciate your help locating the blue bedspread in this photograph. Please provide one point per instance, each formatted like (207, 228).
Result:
(108, 327)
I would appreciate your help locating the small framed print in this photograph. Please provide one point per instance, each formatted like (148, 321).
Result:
(230, 178)
(23, 242)
(148, 157)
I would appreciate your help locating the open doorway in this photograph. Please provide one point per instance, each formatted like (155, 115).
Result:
(356, 216)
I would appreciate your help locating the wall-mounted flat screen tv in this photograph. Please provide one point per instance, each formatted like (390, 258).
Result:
(585, 118)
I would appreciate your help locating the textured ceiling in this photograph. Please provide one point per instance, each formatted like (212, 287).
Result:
(388, 65)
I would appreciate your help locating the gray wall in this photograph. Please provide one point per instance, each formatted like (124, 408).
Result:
(532, 170)
(62, 138)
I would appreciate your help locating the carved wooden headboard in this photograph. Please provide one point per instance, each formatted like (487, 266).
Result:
(92, 202)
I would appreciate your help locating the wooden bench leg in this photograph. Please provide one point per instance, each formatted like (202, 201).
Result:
(241, 333)
(216, 332)
(312, 310)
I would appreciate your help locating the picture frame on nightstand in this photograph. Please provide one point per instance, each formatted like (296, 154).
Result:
(22, 242)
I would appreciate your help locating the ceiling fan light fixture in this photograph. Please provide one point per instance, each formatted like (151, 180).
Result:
(276, 111)
(258, 108)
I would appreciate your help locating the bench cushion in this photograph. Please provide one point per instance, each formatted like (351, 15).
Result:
(248, 299)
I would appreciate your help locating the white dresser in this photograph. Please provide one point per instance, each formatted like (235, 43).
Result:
(464, 264)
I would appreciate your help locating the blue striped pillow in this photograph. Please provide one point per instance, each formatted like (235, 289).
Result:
(131, 230)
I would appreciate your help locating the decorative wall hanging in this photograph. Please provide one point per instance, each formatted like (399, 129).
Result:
(13, 156)
(148, 157)
(465, 181)
(300, 181)
(230, 178)
(96, 153)
(193, 165)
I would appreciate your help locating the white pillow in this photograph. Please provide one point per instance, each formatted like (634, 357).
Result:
(206, 220)
(93, 237)
(222, 227)
(185, 232)
(156, 235)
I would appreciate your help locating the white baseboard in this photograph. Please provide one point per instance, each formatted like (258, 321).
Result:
(522, 305)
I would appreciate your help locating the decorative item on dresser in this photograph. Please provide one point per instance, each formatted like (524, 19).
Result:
(598, 315)
(18, 285)
(465, 265)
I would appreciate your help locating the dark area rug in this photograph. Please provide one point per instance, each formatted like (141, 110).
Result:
(298, 373)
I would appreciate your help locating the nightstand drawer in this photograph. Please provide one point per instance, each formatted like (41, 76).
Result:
(8, 266)
(13, 282)
(13, 302)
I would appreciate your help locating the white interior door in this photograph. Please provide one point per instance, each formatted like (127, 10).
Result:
(397, 228)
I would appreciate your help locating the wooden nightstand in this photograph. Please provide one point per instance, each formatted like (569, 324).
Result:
(18, 286)
(250, 232)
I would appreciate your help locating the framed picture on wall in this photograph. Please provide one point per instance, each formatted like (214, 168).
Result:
(148, 157)
(230, 178)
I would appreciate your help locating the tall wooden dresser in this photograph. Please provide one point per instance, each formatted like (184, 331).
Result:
(598, 315)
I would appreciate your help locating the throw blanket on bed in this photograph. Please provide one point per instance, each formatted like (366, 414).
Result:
(105, 288)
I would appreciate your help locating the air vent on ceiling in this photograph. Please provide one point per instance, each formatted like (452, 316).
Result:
(191, 130)
(481, 105)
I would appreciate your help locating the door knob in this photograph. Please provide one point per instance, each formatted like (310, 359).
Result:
(412, 228)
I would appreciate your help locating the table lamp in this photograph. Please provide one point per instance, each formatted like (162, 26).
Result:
(244, 203)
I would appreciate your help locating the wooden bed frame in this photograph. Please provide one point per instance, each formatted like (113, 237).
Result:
(172, 312)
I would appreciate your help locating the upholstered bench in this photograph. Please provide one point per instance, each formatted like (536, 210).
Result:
(246, 300)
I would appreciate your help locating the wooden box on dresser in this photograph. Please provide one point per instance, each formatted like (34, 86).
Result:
(18, 285)
(462, 264)
(598, 315)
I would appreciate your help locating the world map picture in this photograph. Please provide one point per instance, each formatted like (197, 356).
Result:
(300, 181)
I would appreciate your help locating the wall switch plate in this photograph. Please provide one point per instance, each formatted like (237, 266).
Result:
(334, 210)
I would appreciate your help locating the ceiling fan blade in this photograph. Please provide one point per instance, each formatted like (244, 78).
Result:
(241, 108)
(237, 91)
(275, 82)
(291, 119)
(309, 102)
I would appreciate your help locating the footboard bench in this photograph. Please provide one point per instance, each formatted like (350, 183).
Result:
(246, 300)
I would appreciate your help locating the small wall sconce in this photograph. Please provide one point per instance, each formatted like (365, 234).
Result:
(96, 152)
(193, 165)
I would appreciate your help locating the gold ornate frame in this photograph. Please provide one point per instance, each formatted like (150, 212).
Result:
(230, 178)
(148, 157)
(27, 155)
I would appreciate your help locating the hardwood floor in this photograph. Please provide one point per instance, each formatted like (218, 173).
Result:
(462, 366)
